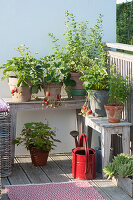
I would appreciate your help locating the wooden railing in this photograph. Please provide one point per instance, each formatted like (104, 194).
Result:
(124, 66)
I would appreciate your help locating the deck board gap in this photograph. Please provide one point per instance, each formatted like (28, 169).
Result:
(23, 169)
(61, 168)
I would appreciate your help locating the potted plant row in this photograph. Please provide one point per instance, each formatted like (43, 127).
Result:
(121, 172)
(39, 139)
(27, 75)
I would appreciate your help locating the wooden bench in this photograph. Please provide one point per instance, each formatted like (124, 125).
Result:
(106, 129)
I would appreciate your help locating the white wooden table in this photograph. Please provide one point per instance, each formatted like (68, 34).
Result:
(37, 105)
(106, 129)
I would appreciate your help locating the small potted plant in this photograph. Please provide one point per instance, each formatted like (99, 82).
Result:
(39, 138)
(76, 41)
(24, 73)
(119, 90)
(121, 172)
(54, 73)
(95, 78)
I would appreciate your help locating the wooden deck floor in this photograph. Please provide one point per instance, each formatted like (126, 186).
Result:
(58, 169)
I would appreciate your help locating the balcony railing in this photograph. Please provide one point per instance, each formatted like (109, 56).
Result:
(122, 56)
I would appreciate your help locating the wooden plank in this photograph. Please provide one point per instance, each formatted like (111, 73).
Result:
(111, 190)
(34, 174)
(125, 183)
(4, 195)
(5, 181)
(18, 176)
(54, 172)
(64, 163)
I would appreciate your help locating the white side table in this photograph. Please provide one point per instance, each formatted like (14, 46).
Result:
(102, 125)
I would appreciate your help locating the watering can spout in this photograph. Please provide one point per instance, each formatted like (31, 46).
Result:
(74, 134)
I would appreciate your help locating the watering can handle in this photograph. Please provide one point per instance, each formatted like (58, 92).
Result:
(83, 135)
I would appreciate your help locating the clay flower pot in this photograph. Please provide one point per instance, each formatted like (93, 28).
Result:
(114, 113)
(52, 91)
(19, 94)
(78, 92)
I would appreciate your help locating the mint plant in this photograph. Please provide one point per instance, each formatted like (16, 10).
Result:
(119, 90)
(76, 37)
(96, 74)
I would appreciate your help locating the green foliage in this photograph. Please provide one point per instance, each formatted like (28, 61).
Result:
(53, 71)
(96, 73)
(122, 165)
(76, 41)
(96, 78)
(25, 68)
(82, 47)
(119, 90)
(124, 25)
(37, 134)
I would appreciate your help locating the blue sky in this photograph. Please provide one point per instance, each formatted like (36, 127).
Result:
(121, 1)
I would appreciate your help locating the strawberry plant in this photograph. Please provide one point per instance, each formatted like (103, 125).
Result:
(25, 67)
(37, 134)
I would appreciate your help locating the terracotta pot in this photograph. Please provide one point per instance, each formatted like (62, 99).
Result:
(78, 92)
(22, 94)
(114, 113)
(52, 91)
(38, 156)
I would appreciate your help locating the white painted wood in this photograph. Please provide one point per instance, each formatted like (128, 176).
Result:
(105, 146)
(120, 46)
(63, 127)
(126, 140)
(106, 129)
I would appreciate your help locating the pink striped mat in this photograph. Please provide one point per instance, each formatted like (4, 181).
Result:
(54, 191)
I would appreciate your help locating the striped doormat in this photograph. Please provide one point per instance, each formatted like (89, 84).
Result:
(54, 191)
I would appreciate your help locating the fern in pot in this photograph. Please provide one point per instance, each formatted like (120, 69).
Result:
(39, 138)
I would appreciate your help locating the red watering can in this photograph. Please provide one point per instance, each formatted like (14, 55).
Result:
(83, 159)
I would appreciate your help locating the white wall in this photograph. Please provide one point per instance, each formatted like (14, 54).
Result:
(29, 22)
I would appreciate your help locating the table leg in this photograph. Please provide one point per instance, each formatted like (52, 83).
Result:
(13, 130)
(126, 140)
(105, 146)
(79, 121)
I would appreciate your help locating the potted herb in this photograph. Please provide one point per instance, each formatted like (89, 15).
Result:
(53, 75)
(119, 90)
(39, 138)
(76, 41)
(96, 76)
(24, 73)
(121, 172)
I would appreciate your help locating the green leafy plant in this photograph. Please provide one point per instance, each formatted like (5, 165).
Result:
(25, 68)
(119, 90)
(122, 166)
(53, 71)
(96, 73)
(37, 134)
(76, 36)
(96, 77)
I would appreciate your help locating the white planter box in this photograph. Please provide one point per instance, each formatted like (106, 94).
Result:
(124, 183)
